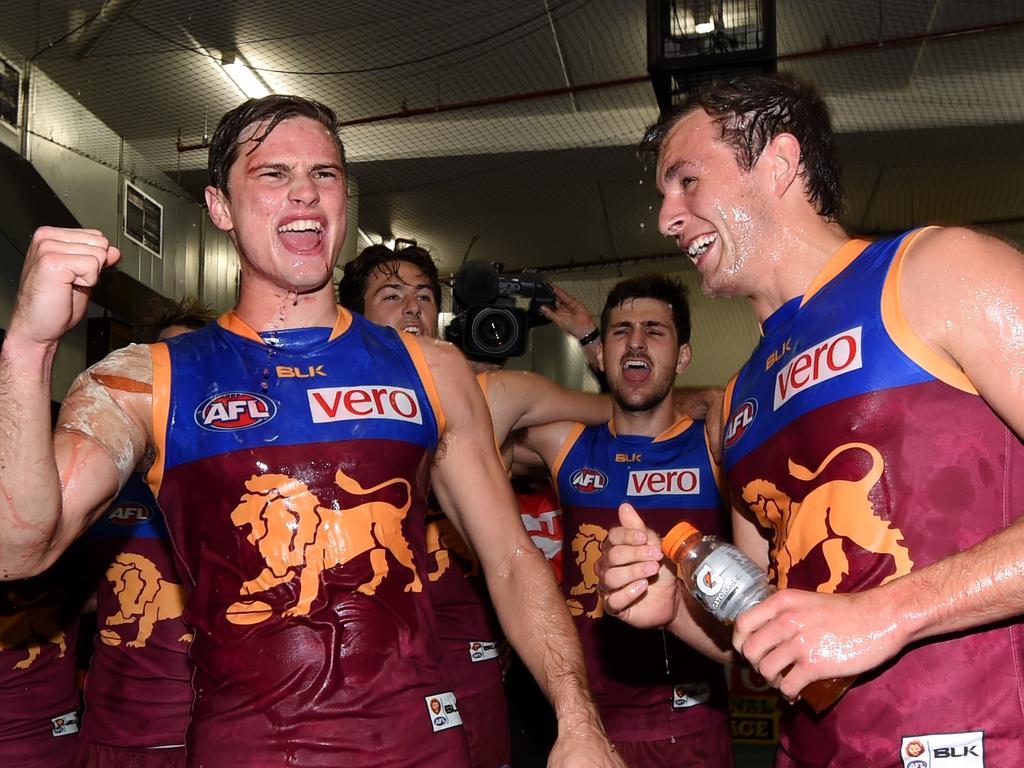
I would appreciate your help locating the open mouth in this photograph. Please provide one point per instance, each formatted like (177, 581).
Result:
(412, 328)
(636, 370)
(700, 245)
(302, 235)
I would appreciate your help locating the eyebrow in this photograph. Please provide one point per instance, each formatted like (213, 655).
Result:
(400, 285)
(673, 170)
(643, 323)
(287, 167)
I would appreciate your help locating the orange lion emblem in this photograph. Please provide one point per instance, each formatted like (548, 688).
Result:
(144, 596)
(830, 513)
(443, 540)
(586, 545)
(300, 538)
(29, 629)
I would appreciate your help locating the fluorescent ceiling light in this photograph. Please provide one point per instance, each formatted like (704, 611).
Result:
(245, 79)
(705, 27)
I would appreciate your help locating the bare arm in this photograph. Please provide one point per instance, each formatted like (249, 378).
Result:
(572, 316)
(519, 399)
(53, 486)
(963, 295)
(472, 488)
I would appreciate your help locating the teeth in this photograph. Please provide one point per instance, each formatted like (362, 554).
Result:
(301, 225)
(413, 329)
(636, 364)
(701, 244)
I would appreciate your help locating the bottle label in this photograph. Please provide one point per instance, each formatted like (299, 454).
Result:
(727, 582)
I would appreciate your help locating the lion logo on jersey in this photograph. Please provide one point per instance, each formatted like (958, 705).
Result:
(831, 513)
(443, 541)
(29, 628)
(586, 545)
(144, 596)
(298, 537)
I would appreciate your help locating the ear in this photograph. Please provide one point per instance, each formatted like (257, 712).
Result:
(600, 355)
(220, 209)
(684, 358)
(783, 154)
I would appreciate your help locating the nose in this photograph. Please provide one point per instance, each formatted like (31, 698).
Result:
(411, 307)
(671, 216)
(303, 190)
(636, 341)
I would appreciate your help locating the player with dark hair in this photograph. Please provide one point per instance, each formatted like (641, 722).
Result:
(663, 703)
(138, 691)
(871, 444)
(293, 444)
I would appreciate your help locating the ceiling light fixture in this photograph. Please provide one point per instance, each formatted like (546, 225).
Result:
(243, 77)
(705, 27)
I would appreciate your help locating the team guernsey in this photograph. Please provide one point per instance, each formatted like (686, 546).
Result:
(865, 457)
(138, 692)
(649, 685)
(292, 469)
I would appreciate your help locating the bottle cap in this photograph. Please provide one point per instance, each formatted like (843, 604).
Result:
(674, 539)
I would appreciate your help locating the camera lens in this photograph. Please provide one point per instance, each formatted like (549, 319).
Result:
(495, 330)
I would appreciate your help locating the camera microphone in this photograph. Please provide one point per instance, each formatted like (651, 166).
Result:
(475, 284)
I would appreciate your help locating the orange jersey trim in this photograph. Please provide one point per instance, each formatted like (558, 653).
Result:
(416, 354)
(123, 384)
(903, 336)
(675, 430)
(232, 322)
(482, 381)
(839, 261)
(570, 439)
(161, 358)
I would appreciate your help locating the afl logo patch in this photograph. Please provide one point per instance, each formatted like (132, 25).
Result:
(587, 480)
(234, 410)
(740, 422)
(129, 514)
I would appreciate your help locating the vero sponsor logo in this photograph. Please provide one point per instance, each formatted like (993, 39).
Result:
(368, 402)
(233, 411)
(664, 482)
(833, 357)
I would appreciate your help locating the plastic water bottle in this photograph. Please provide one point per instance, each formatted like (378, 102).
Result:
(726, 583)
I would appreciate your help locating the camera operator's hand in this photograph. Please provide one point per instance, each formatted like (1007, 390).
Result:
(570, 314)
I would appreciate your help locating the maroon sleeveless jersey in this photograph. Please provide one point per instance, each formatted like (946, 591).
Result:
(865, 458)
(137, 693)
(292, 470)
(39, 701)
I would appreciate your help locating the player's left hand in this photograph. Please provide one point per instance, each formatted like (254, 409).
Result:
(796, 637)
(583, 747)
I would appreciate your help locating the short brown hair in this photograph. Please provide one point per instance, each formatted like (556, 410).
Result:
(188, 312)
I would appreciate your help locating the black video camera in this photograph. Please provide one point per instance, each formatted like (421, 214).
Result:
(489, 323)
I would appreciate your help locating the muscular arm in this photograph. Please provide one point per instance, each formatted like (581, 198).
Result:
(519, 399)
(51, 485)
(472, 488)
(963, 295)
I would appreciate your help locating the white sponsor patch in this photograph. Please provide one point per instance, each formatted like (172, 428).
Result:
(482, 650)
(687, 695)
(682, 481)
(64, 725)
(944, 750)
(832, 357)
(443, 711)
(366, 402)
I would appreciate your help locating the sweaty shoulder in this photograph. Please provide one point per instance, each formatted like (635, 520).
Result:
(110, 404)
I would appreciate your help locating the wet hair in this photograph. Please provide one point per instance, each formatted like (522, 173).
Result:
(187, 312)
(666, 289)
(268, 113)
(750, 111)
(380, 258)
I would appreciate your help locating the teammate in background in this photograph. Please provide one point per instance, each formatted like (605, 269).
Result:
(293, 443)
(39, 700)
(400, 289)
(662, 703)
(138, 691)
(871, 446)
